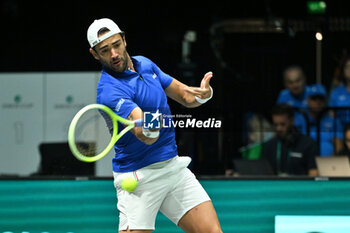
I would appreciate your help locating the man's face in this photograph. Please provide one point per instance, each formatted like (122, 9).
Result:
(316, 103)
(294, 81)
(282, 125)
(112, 53)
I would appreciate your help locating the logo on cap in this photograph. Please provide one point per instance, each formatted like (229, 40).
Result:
(92, 33)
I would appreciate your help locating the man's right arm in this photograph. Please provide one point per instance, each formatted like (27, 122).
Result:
(279, 98)
(267, 153)
(312, 152)
(120, 100)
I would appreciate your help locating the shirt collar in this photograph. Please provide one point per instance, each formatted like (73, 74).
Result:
(126, 73)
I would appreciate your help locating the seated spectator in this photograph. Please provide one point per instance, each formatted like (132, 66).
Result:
(259, 129)
(340, 96)
(289, 152)
(295, 94)
(296, 91)
(346, 147)
(323, 127)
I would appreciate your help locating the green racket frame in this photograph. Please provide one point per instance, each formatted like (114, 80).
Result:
(115, 136)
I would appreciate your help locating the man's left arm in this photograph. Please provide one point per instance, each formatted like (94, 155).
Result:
(311, 153)
(339, 136)
(190, 97)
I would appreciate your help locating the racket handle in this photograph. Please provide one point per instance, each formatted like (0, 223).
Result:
(138, 122)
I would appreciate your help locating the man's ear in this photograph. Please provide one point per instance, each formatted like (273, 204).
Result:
(94, 54)
(124, 40)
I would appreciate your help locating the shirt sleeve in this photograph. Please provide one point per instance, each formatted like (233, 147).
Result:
(300, 122)
(119, 100)
(333, 99)
(339, 129)
(268, 153)
(164, 78)
(264, 151)
(281, 97)
(311, 152)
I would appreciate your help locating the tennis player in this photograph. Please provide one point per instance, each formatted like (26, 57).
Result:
(131, 86)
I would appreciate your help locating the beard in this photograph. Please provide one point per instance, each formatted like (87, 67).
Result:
(117, 65)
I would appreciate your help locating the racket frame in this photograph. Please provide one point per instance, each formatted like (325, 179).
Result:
(114, 138)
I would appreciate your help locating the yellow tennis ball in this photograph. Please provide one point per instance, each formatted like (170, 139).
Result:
(129, 184)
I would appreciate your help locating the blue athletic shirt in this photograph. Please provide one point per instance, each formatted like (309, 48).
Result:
(122, 92)
(340, 97)
(286, 97)
(330, 128)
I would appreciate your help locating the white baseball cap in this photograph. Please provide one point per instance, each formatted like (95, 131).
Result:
(98, 24)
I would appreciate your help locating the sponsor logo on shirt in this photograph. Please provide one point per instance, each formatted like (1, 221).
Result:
(296, 154)
(328, 126)
(119, 104)
(154, 76)
(342, 97)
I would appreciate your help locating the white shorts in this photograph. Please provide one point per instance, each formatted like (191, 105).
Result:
(168, 186)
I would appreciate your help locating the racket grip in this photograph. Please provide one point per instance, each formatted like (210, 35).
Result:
(138, 122)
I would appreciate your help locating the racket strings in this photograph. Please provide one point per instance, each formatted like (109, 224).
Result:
(93, 132)
(108, 120)
(87, 148)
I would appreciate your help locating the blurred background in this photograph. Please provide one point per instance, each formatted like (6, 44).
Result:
(47, 73)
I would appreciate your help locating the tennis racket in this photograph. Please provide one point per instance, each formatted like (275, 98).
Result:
(94, 131)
